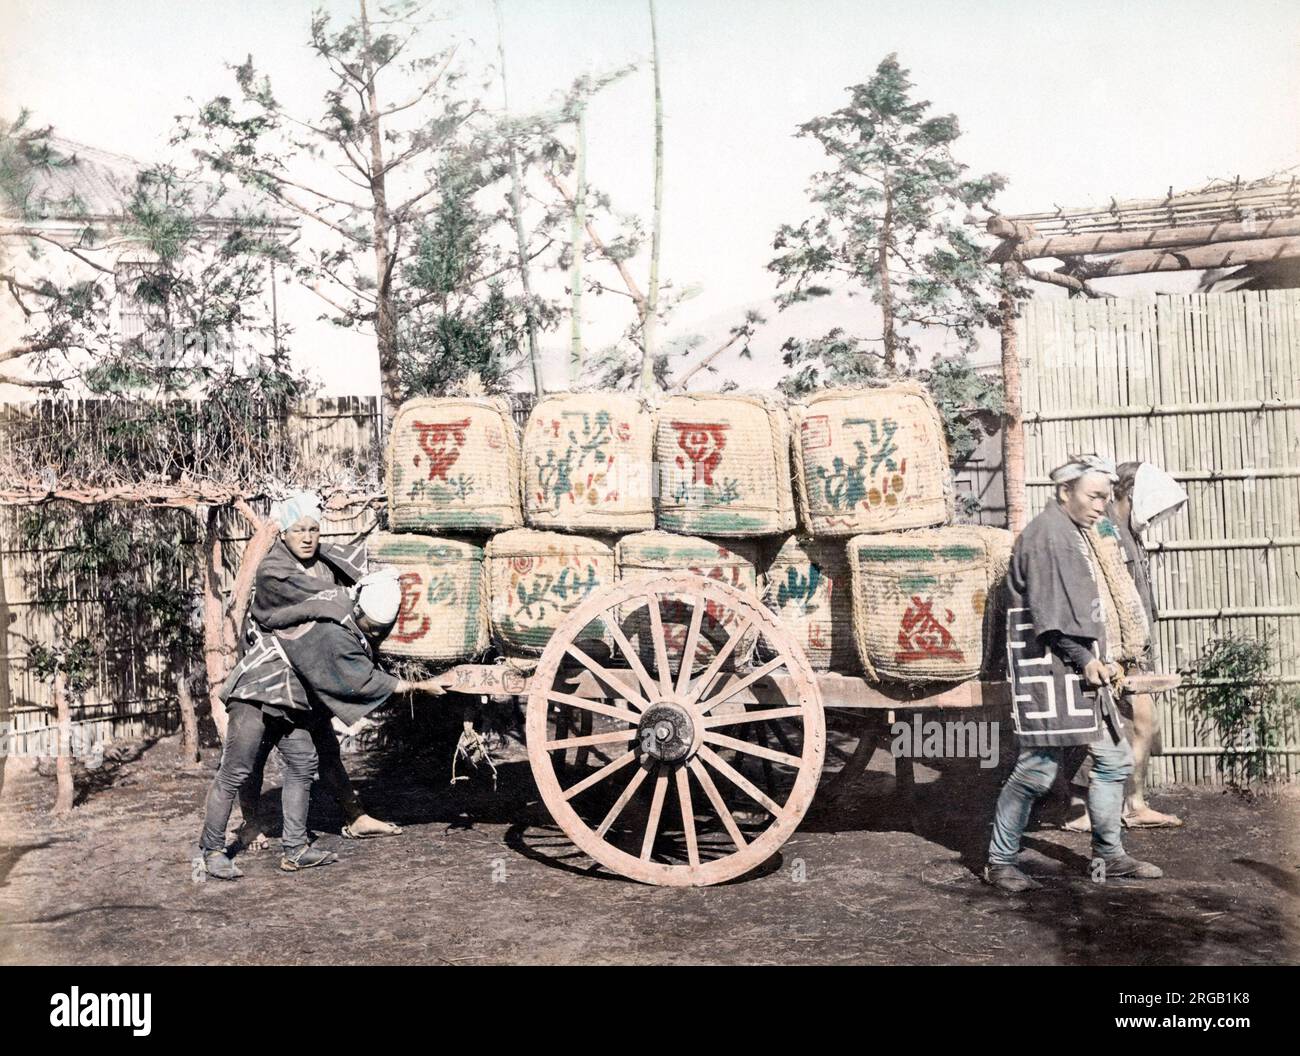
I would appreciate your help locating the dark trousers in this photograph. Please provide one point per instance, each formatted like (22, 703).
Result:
(245, 734)
(333, 777)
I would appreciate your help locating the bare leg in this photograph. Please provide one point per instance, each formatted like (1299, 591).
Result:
(1136, 810)
(335, 781)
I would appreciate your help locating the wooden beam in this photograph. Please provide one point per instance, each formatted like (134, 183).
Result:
(1059, 278)
(1003, 227)
(1222, 255)
(1223, 196)
(1157, 238)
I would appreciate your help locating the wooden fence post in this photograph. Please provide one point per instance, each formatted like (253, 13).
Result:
(63, 751)
(214, 643)
(1013, 430)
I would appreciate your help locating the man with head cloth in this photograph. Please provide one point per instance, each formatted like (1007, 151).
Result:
(309, 656)
(1060, 680)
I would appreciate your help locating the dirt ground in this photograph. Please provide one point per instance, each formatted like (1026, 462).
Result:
(485, 877)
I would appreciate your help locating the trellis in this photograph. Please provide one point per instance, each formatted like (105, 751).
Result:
(331, 442)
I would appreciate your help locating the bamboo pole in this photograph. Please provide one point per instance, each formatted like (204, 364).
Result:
(1226, 197)
(6, 701)
(1227, 543)
(650, 323)
(579, 224)
(1013, 435)
(1069, 282)
(1129, 410)
(517, 208)
(1190, 236)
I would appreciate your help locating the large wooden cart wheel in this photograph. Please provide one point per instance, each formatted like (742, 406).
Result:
(698, 771)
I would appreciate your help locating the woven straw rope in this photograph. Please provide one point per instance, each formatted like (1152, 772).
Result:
(1127, 631)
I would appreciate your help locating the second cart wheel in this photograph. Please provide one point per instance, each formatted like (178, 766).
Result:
(700, 769)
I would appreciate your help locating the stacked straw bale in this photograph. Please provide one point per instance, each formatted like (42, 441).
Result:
(444, 610)
(587, 463)
(648, 554)
(870, 460)
(537, 579)
(925, 602)
(806, 583)
(724, 464)
(453, 465)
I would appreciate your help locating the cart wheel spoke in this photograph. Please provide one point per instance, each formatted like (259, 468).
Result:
(633, 660)
(656, 810)
(692, 644)
(617, 737)
(739, 780)
(688, 815)
(742, 684)
(600, 775)
(749, 748)
(706, 679)
(660, 646)
(712, 722)
(642, 772)
(607, 676)
(592, 705)
(719, 804)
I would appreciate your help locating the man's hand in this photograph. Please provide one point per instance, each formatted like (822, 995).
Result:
(1096, 673)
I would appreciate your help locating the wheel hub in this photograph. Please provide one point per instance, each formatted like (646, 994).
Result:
(666, 732)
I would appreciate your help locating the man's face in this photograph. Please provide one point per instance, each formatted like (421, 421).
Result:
(371, 628)
(303, 538)
(1085, 502)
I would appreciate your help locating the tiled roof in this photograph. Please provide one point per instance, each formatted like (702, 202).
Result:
(98, 181)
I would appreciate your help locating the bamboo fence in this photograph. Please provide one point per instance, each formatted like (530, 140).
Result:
(1208, 387)
(133, 692)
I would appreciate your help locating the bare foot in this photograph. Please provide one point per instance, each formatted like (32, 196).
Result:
(1144, 817)
(251, 837)
(366, 827)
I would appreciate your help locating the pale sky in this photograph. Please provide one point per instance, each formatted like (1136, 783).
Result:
(1073, 102)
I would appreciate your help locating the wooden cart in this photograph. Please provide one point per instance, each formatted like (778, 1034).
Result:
(663, 759)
